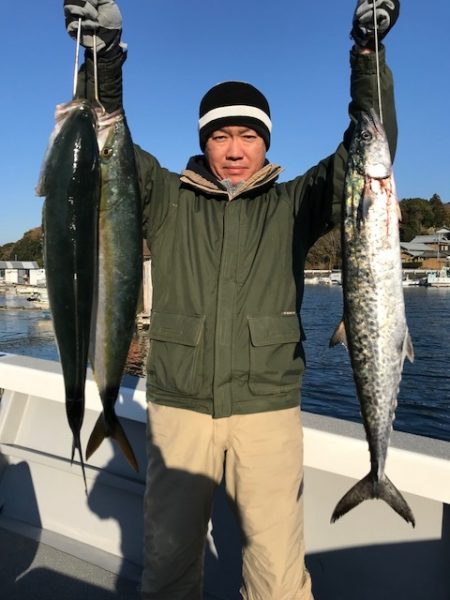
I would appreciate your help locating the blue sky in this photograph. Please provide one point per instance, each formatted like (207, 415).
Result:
(295, 52)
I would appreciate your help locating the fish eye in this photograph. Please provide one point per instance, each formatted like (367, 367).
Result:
(366, 135)
(107, 152)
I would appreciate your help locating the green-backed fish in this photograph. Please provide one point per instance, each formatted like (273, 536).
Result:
(119, 275)
(70, 182)
(374, 325)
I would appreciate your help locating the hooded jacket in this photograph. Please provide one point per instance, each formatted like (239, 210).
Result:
(228, 268)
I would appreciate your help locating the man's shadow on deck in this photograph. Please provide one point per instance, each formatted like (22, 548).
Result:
(17, 553)
(223, 562)
(30, 569)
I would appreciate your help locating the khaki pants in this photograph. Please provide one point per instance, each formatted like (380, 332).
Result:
(261, 456)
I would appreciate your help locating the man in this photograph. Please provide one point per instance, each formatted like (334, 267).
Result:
(225, 364)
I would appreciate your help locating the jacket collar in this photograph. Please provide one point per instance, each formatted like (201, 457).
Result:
(198, 176)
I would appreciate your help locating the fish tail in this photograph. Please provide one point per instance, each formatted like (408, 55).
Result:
(115, 431)
(76, 445)
(368, 488)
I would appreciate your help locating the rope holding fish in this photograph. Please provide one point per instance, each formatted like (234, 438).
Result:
(97, 26)
(95, 54)
(76, 68)
(372, 20)
(96, 96)
(377, 60)
(77, 57)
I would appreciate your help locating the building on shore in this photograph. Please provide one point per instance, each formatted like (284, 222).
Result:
(21, 273)
(431, 251)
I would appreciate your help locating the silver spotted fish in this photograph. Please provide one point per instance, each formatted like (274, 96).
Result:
(374, 324)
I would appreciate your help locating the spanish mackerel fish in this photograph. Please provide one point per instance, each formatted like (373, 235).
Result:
(70, 182)
(374, 325)
(119, 275)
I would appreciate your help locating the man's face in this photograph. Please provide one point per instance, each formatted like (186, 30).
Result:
(235, 153)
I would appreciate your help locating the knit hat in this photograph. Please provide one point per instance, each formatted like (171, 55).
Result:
(234, 103)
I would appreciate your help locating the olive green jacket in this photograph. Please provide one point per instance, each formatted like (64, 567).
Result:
(227, 272)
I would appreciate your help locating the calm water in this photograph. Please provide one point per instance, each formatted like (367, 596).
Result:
(424, 398)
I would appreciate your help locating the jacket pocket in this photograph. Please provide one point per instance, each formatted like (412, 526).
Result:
(174, 361)
(276, 354)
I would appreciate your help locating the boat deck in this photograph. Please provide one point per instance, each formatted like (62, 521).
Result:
(58, 543)
(33, 570)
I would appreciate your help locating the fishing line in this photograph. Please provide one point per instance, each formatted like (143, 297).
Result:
(97, 100)
(377, 59)
(95, 69)
(77, 52)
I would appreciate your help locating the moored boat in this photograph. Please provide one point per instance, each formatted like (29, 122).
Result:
(408, 281)
(439, 278)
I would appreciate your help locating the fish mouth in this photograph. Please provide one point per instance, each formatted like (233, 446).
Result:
(373, 118)
(378, 171)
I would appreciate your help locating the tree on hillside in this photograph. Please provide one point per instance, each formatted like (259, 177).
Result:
(447, 214)
(5, 251)
(417, 216)
(326, 252)
(29, 247)
(439, 212)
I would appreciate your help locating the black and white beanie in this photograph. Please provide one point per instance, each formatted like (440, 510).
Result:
(234, 103)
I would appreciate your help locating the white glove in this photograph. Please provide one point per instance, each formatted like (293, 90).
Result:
(363, 31)
(101, 18)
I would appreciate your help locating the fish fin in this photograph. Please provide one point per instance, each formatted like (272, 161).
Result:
(97, 436)
(408, 348)
(41, 189)
(119, 435)
(72, 456)
(365, 203)
(339, 336)
(399, 212)
(76, 445)
(368, 488)
(41, 186)
(116, 432)
(390, 494)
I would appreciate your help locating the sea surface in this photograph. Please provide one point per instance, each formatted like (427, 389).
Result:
(328, 389)
(424, 397)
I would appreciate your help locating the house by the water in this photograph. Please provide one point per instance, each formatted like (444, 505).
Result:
(430, 251)
(21, 273)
